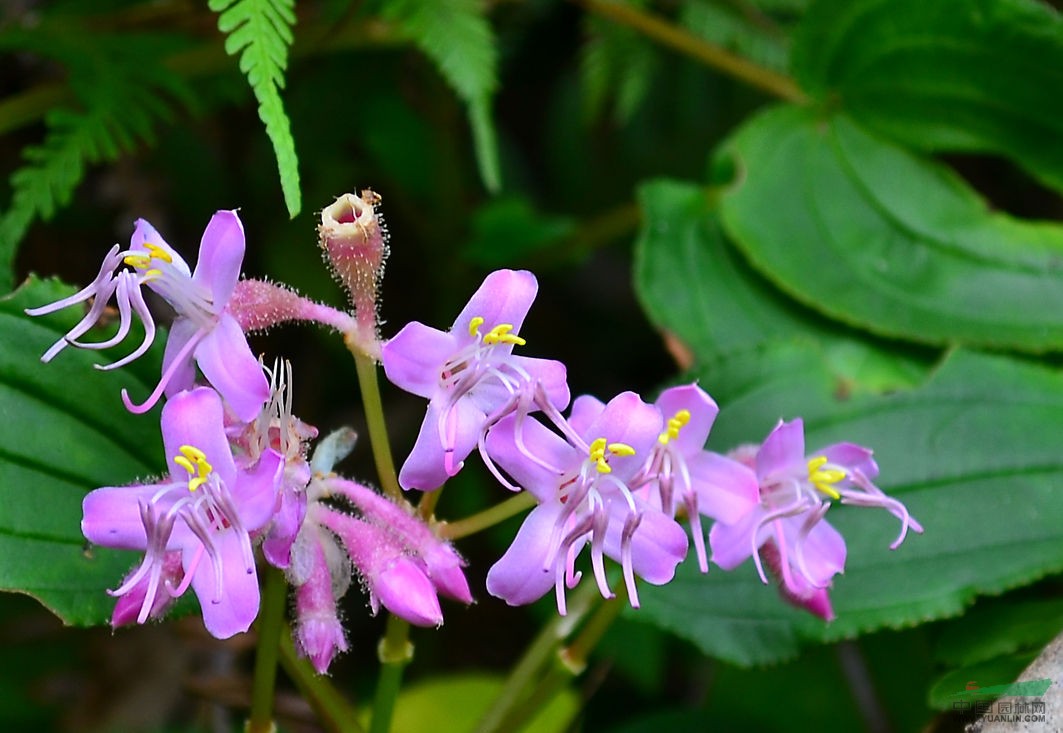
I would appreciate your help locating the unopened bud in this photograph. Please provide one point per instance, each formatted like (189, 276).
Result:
(354, 240)
(258, 305)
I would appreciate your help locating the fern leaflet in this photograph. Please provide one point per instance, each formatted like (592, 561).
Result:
(261, 32)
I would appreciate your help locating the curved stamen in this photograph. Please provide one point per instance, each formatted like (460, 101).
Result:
(135, 298)
(631, 524)
(178, 361)
(99, 305)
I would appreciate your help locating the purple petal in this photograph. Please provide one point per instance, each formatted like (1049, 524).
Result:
(547, 447)
(726, 489)
(505, 296)
(521, 575)
(183, 375)
(626, 419)
(702, 409)
(732, 544)
(221, 253)
(233, 609)
(111, 516)
(585, 410)
(823, 551)
(851, 456)
(414, 358)
(229, 365)
(196, 418)
(255, 491)
(405, 590)
(430, 464)
(551, 374)
(277, 547)
(783, 449)
(657, 547)
(145, 233)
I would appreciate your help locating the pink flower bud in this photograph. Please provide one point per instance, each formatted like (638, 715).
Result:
(257, 305)
(354, 241)
(318, 633)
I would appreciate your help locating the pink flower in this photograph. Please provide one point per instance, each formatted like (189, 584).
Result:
(583, 484)
(787, 518)
(205, 510)
(204, 331)
(471, 376)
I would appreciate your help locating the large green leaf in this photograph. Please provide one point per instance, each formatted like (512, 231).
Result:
(948, 75)
(696, 286)
(874, 236)
(974, 454)
(63, 432)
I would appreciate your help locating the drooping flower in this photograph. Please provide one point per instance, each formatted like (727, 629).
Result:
(471, 376)
(320, 577)
(203, 333)
(787, 521)
(205, 510)
(680, 473)
(583, 484)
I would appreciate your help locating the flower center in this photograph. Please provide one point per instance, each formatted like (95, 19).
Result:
(144, 261)
(824, 478)
(600, 450)
(500, 334)
(675, 424)
(194, 461)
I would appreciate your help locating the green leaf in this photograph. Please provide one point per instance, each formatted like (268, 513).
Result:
(949, 75)
(874, 236)
(261, 32)
(973, 454)
(64, 432)
(465, 698)
(999, 628)
(952, 687)
(694, 285)
(457, 37)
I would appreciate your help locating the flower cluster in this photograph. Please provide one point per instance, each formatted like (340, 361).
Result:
(237, 468)
(615, 476)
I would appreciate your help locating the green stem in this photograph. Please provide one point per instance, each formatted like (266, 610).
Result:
(270, 623)
(574, 656)
(488, 517)
(335, 713)
(540, 653)
(374, 417)
(395, 653)
(685, 42)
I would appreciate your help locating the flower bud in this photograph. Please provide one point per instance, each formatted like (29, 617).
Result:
(354, 241)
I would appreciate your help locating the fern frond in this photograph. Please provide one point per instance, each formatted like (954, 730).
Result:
(457, 37)
(260, 31)
(117, 117)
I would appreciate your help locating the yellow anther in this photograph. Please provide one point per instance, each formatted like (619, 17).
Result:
(824, 478)
(194, 461)
(599, 448)
(158, 253)
(474, 325)
(675, 424)
(500, 334)
(142, 261)
(153, 273)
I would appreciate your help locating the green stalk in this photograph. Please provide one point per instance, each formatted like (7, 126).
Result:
(501, 716)
(685, 42)
(488, 517)
(374, 417)
(270, 623)
(395, 653)
(335, 713)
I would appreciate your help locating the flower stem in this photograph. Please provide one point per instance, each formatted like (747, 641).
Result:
(270, 623)
(374, 416)
(395, 652)
(487, 518)
(503, 714)
(685, 42)
(335, 713)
